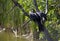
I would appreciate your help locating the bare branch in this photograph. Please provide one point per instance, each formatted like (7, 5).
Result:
(20, 6)
(36, 6)
(46, 8)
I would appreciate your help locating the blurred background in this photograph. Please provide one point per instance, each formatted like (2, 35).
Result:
(11, 21)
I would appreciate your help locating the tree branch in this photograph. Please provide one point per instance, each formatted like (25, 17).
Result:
(46, 8)
(36, 6)
(20, 6)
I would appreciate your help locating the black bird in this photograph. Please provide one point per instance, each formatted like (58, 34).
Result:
(38, 18)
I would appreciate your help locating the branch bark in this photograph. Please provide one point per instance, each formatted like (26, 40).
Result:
(20, 6)
(36, 6)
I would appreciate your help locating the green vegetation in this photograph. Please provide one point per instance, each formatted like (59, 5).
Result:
(15, 19)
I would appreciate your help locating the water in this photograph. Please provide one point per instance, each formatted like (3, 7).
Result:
(8, 36)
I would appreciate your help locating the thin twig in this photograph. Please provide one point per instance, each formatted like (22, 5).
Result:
(26, 23)
(11, 9)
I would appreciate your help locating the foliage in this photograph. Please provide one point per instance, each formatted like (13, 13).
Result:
(16, 18)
